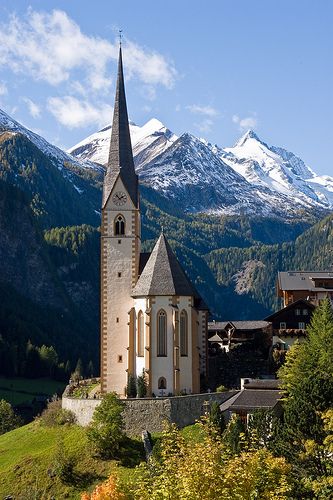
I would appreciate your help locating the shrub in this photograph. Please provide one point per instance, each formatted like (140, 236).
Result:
(64, 463)
(108, 490)
(142, 385)
(105, 432)
(216, 417)
(131, 391)
(8, 419)
(221, 388)
(55, 415)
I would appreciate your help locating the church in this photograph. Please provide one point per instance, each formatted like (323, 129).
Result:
(153, 321)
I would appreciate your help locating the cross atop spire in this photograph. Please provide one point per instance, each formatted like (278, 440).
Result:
(120, 161)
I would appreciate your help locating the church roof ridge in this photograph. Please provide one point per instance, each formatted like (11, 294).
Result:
(163, 274)
(120, 160)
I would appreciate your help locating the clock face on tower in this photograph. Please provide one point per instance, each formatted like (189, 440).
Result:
(119, 198)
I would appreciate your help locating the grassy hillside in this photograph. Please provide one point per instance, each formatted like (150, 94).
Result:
(27, 457)
(21, 390)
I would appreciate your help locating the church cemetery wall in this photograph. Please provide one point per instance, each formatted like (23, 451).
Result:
(149, 413)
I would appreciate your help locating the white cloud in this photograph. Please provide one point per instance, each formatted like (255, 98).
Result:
(3, 88)
(51, 47)
(205, 125)
(202, 110)
(245, 123)
(33, 108)
(73, 113)
(149, 66)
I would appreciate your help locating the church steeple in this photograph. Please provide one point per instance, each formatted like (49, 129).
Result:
(120, 161)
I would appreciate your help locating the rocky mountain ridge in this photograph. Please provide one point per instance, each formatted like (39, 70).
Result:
(251, 177)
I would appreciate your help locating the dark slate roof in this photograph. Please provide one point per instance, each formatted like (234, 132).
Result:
(120, 161)
(252, 399)
(302, 280)
(297, 303)
(239, 325)
(144, 257)
(262, 384)
(163, 275)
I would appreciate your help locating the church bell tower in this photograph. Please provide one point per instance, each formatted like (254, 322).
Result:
(120, 248)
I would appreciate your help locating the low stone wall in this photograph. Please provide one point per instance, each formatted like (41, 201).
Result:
(150, 413)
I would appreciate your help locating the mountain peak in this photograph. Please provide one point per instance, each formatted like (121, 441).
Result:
(250, 134)
(154, 124)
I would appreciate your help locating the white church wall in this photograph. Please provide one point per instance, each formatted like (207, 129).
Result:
(162, 366)
(185, 362)
(140, 305)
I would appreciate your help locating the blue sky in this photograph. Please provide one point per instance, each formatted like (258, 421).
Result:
(213, 68)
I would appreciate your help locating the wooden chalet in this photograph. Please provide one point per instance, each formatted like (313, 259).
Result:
(290, 323)
(227, 334)
(309, 285)
(254, 395)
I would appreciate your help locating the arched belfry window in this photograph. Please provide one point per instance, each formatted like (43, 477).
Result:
(161, 333)
(119, 225)
(162, 383)
(140, 334)
(183, 334)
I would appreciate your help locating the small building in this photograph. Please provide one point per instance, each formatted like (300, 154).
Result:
(254, 395)
(227, 334)
(309, 285)
(290, 323)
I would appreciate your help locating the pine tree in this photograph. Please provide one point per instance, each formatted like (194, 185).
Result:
(79, 367)
(90, 369)
(307, 379)
(142, 385)
(307, 376)
(131, 390)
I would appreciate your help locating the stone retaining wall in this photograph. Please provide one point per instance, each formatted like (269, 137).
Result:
(150, 413)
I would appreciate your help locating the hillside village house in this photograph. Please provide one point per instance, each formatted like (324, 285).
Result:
(227, 334)
(254, 395)
(153, 321)
(309, 285)
(290, 323)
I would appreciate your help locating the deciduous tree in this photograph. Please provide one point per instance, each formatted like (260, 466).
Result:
(105, 432)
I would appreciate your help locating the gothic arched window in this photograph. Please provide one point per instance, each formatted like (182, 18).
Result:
(119, 225)
(162, 383)
(183, 334)
(161, 333)
(140, 335)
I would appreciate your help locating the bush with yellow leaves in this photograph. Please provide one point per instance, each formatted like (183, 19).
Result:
(106, 491)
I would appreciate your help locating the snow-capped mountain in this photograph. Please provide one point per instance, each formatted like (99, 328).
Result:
(62, 189)
(8, 124)
(190, 173)
(147, 142)
(251, 177)
(279, 170)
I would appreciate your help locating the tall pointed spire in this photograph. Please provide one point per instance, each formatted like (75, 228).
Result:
(120, 161)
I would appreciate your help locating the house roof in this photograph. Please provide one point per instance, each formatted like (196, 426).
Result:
(215, 338)
(252, 399)
(300, 302)
(163, 275)
(263, 384)
(238, 325)
(302, 280)
(120, 162)
(144, 256)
